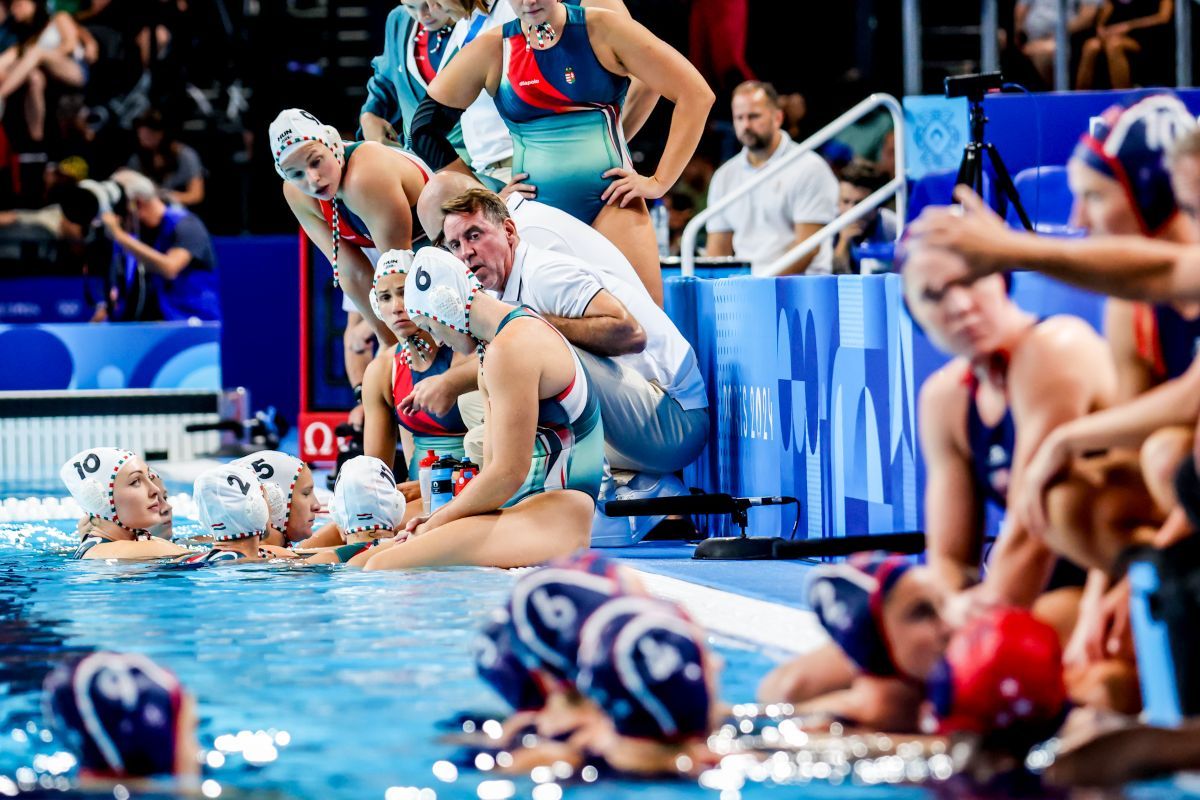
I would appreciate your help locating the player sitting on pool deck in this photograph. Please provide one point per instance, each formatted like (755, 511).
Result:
(645, 374)
(407, 382)
(544, 448)
(291, 496)
(234, 511)
(366, 509)
(113, 487)
(124, 717)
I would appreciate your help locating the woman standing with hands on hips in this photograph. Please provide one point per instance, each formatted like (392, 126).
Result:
(559, 74)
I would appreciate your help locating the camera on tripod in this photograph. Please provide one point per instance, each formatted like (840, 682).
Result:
(970, 170)
(973, 87)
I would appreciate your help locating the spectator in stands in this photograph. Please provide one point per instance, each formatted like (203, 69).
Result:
(61, 50)
(680, 210)
(781, 213)
(1125, 28)
(795, 112)
(170, 163)
(170, 247)
(1036, 22)
(860, 179)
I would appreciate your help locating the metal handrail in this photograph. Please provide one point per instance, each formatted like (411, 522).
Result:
(896, 186)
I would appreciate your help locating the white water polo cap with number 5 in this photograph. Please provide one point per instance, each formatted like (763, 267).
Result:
(91, 478)
(365, 497)
(278, 473)
(231, 503)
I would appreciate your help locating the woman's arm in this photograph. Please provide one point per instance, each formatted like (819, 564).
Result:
(1166, 10)
(379, 426)
(512, 379)
(375, 191)
(627, 48)
(1124, 328)
(472, 70)
(192, 195)
(952, 506)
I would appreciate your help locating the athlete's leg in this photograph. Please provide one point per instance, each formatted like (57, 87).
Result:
(1098, 511)
(1160, 457)
(1086, 76)
(35, 105)
(540, 527)
(631, 231)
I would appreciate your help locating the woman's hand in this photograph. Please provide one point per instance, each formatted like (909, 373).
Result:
(1050, 461)
(628, 185)
(518, 186)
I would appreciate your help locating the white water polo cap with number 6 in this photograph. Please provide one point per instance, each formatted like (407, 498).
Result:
(278, 473)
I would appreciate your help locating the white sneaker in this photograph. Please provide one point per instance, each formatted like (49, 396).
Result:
(642, 486)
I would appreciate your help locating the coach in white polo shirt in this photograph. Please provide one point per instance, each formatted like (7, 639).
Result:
(649, 385)
(786, 209)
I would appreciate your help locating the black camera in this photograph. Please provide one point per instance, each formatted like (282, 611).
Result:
(973, 87)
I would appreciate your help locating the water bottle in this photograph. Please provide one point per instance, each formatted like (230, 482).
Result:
(425, 476)
(441, 489)
(659, 217)
(466, 471)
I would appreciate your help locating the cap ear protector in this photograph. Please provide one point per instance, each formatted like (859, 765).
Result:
(91, 475)
(231, 503)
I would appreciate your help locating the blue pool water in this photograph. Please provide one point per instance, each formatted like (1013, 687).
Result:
(312, 682)
(352, 670)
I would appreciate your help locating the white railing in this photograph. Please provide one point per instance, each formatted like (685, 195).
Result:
(896, 187)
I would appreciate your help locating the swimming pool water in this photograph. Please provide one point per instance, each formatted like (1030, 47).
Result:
(312, 682)
(357, 668)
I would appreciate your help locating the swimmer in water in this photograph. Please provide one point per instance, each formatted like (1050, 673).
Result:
(291, 495)
(544, 444)
(885, 615)
(124, 717)
(648, 667)
(367, 508)
(114, 488)
(234, 511)
(353, 199)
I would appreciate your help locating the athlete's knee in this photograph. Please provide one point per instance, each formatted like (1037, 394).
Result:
(1068, 511)
(1160, 457)
(1091, 47)
(36, 80)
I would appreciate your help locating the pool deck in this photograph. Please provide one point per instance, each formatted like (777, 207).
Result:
(758, 602)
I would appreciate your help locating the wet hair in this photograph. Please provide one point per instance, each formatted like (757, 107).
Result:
(768, 90)
(865, 175)
(475, 200)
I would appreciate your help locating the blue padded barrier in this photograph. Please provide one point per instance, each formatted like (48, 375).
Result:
(937, 189)
(812, 386)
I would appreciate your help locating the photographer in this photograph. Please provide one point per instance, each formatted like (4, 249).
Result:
(166, 249)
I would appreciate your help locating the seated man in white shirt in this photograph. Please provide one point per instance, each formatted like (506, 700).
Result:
(780, 213)
(645, 374)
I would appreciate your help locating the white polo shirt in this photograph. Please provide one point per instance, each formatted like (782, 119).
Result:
(484, 134)
(556, 281)
(763, 222)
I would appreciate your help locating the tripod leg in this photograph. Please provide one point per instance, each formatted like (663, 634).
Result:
(970, 169)
(1007, 189)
